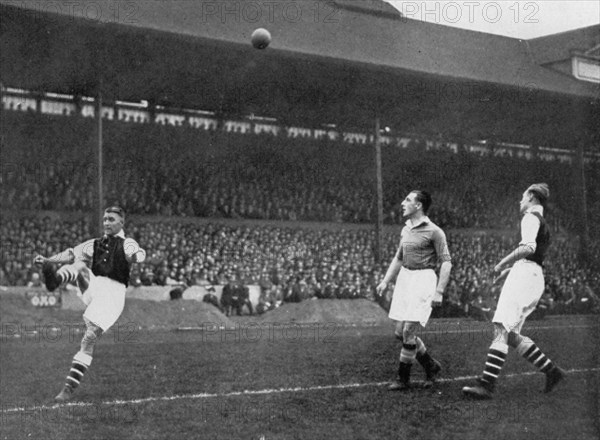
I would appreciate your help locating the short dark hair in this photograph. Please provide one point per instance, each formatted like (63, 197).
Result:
(424, 198)
(116, 210)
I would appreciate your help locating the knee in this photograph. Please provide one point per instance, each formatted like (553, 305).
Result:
(399, 331)
(514, 339)
(92, 332)
(91, 335)
(500, 334)
(83, 280)
(409, 334)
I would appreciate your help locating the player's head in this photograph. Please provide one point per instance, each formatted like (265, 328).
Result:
(113, 220)
(536, 194)
(416, 201)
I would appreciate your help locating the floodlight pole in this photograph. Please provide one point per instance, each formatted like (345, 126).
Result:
(584, 236)
(379, 186)
(100, 207)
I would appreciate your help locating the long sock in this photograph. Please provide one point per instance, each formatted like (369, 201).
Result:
(67, 274)
(408, 353)
(426, 361)
(81, 362)
(407, 357)
(423, 356)
(533, 354)
(495, 361)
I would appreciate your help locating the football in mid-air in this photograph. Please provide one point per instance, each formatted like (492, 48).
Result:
(261, 38)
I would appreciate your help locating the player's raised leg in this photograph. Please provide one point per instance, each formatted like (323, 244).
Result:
(68, 273)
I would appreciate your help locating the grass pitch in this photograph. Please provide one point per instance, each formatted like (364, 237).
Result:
(286, 381)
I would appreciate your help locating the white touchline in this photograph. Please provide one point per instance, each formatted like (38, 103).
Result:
(254, 392)
(487, 329)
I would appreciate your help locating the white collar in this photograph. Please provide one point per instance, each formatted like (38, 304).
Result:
(121, 234)
(535, 208)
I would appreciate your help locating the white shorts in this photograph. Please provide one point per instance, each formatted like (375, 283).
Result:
(520, 294)
(105, 300)
(413, 294)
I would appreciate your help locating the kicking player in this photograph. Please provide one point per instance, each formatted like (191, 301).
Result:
(103, 285)
(422, 246)
(520, 294)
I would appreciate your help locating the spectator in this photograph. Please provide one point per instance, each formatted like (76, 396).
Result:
(35, 280)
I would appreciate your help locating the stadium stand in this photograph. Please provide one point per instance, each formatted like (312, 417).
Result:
(302, 263)
(183, 171)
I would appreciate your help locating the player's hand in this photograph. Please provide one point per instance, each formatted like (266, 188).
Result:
(381, 288)
(39, 260)
(498, 268)
(501, 276)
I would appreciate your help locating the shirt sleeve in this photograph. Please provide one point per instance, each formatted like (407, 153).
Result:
(84, 251)
(530, 226)
(441, 246)
(131, 248)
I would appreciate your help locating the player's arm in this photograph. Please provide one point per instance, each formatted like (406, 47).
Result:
(65, 257)
(84, 251)
(530, 225)
(392, 271)
(444, 277)
(133, 252)
(443, 255)
(81, 252)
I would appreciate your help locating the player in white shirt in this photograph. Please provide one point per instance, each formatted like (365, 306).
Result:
(100, 267)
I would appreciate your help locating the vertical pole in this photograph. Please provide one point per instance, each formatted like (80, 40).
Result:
(379, 222)
(100, 207)
(584, 237)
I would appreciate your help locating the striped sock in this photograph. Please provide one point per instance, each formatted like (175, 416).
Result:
(81, 362)
(408, 353)
(533, 354)
(422, 356)
(67, 274)
(493, 365)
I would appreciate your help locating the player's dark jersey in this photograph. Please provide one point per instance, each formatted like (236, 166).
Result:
(109, 259)
(542, 241)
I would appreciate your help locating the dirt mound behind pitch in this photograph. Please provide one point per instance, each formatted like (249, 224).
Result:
(17, 309)
(171, 314)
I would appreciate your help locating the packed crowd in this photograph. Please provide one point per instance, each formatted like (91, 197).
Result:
(295, 264)
(49, 163)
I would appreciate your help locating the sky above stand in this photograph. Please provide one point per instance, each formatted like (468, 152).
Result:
(511, 18)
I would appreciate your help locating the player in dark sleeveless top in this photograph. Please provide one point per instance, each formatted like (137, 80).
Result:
(100, 267)
(520, 294)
